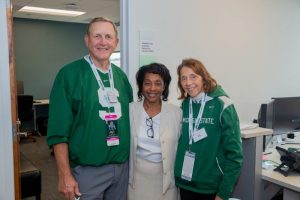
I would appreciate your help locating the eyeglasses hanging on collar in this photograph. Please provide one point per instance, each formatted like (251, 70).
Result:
(150, 130)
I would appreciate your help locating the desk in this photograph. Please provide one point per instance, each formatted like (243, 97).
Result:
(40, 109)
(275, 180)
(38, 102)
(249, 183)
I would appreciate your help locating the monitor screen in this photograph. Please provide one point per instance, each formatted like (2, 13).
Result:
(280, 114)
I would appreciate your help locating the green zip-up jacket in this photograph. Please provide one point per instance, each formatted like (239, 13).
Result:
(219, 156)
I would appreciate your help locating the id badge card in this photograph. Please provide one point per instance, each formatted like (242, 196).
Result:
(103, 99)
(199, 135)
(112, 97)
(188, 165)
(112, 137)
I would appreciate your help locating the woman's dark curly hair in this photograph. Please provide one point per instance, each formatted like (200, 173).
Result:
(154, 68)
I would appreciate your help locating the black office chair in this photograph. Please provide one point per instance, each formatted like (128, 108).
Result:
(26, 117)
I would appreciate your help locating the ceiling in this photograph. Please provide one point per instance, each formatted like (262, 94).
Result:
(93, 8)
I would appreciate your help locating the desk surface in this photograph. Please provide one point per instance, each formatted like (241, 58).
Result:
(292, 181)
(40, 102)
(255, 132)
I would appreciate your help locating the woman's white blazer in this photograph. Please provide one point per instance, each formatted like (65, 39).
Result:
(169, 132)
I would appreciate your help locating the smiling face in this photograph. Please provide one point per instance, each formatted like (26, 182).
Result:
(153, 87)
(191, 82)
(101, 42)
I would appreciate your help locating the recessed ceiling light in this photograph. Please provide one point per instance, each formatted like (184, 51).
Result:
(50, 11)
(70, 6)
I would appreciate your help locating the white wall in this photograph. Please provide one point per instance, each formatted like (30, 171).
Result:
(251, 47)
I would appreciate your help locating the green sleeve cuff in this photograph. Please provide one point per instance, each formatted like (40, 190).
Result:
(56, 140)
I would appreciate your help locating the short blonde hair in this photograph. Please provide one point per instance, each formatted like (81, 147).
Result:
(102, 19)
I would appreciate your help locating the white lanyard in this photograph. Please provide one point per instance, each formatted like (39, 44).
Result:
(197, 120)
(100, 83)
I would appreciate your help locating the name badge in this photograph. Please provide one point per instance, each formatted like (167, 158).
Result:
(112, 137)
(112, 97)
(188, 165)
(199, 135)
(103, 99)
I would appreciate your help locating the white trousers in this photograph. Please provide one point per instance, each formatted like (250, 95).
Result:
(148, 183)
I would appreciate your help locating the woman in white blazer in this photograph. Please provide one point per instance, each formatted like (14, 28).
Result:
(155, 128)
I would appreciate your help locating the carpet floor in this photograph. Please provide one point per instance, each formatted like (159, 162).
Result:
(40, 155)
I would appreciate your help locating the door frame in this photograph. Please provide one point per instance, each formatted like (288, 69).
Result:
(9, 173)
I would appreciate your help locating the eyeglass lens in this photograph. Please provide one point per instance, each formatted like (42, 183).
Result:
(150, 131)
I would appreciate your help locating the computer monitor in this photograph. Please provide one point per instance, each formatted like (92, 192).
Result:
(286, 115)
(280, 114)
(264, 110)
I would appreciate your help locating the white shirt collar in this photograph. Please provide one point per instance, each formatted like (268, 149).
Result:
(198, 98)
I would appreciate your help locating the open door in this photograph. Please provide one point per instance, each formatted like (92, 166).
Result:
(9, 156)
(16, 152)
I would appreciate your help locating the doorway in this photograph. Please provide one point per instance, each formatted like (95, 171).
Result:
(5, 102)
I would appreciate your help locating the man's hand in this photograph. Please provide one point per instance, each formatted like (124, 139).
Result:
(66, 182)
(218, 198)
(68, 186)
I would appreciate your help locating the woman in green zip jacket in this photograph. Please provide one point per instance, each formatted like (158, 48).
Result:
(209, 154)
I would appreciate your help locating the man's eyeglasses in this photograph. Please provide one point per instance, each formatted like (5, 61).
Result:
(150, 131)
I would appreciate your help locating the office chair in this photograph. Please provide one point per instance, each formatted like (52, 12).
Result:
(26, 117)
